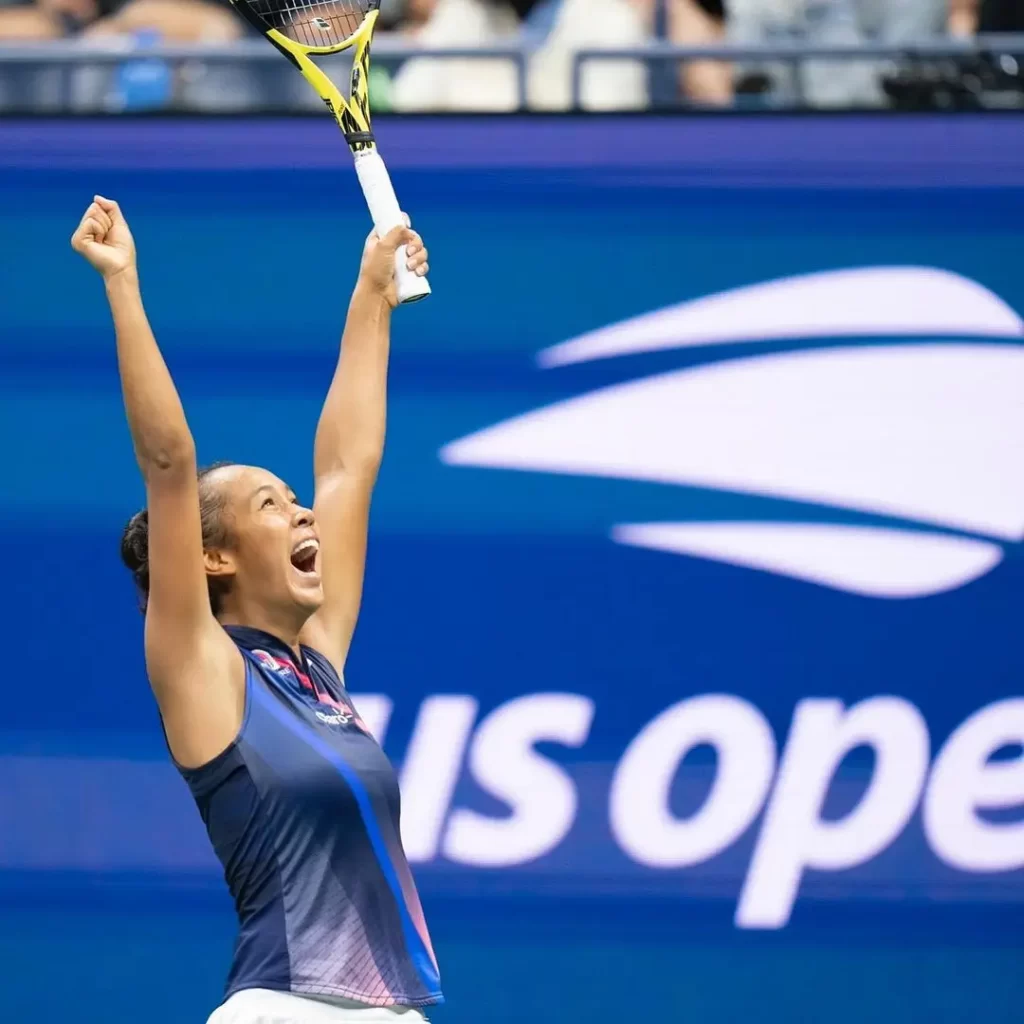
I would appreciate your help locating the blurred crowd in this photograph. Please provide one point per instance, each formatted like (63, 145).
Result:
(560, 28)
(554, 30)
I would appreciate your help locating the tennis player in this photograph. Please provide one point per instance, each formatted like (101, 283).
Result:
(250, 600)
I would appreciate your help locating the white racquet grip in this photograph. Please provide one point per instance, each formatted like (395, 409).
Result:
(387, 215)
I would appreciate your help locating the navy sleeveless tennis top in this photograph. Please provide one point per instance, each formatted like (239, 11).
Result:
(303, 811)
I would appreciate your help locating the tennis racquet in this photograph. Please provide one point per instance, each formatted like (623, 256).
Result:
(303, 29)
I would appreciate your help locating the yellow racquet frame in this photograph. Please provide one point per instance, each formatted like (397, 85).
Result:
(353, 117)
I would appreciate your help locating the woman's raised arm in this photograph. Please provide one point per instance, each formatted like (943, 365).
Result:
(185, 646)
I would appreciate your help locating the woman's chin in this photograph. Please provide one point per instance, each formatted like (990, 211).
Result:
(307, 590)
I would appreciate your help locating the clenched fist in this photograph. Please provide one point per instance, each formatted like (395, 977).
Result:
(104, 239)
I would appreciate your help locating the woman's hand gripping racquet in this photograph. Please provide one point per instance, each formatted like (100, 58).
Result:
(302, 29)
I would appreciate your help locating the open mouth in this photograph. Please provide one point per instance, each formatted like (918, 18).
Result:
(304, 556)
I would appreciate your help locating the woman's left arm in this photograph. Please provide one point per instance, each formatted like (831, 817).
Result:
(350, 442)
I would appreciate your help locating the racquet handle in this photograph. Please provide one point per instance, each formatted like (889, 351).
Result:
(387, 215)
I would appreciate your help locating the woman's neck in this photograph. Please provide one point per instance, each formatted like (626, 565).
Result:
(284, 628)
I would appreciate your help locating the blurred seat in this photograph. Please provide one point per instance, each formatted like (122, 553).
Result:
(575, 25)
(453, 84)
(818, 83)
(902, 21)
(836, 83)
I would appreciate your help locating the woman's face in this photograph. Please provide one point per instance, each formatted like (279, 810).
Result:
(274, 558)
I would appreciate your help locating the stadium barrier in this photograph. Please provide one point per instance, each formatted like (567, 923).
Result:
(62, 60)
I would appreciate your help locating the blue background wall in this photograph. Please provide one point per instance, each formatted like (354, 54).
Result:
(484, 583)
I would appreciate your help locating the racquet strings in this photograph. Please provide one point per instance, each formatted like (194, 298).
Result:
(314, 22)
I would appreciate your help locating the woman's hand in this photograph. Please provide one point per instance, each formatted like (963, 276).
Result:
(104, 239)
(378, 270)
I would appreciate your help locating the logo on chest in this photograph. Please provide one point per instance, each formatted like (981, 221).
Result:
(276, 665)
(335, 717)
(339, 713)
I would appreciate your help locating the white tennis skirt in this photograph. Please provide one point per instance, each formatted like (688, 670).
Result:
(263, 1006)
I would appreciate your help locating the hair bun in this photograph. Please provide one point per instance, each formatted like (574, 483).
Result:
(215, 533)
(135, 543)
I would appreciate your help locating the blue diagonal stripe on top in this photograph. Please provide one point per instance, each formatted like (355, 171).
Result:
(417, 951)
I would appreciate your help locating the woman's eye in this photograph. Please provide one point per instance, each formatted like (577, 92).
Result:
(267, 503)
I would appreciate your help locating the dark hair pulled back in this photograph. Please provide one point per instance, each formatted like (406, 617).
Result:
(135, 539)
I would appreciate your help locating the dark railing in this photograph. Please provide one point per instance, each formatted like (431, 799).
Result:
(62, 59)
(796, 54)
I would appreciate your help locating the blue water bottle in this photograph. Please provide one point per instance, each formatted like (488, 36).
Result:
(145, 84)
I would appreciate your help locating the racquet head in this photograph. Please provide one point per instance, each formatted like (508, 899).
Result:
(318, 26)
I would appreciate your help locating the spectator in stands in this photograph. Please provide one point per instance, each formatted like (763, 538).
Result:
(174, 21)
(821, 22)
(702, 23)
(833, 22)
(433, 84)
(25, 23)
(178, 21)
(558, 29)
(28, 21)
(970, 16)
(896, 22)
(133, 84)
(621, 84)
(37, 21)
(415, 14)
(573, 25)
(142, 85)
(963, 17)
(689, 23)
(903, 21)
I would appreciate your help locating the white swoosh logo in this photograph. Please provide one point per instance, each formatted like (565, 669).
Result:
(866, 560)
(932, 433)
(865, 302)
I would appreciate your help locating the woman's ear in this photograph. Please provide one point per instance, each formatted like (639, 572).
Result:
(219, 563)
